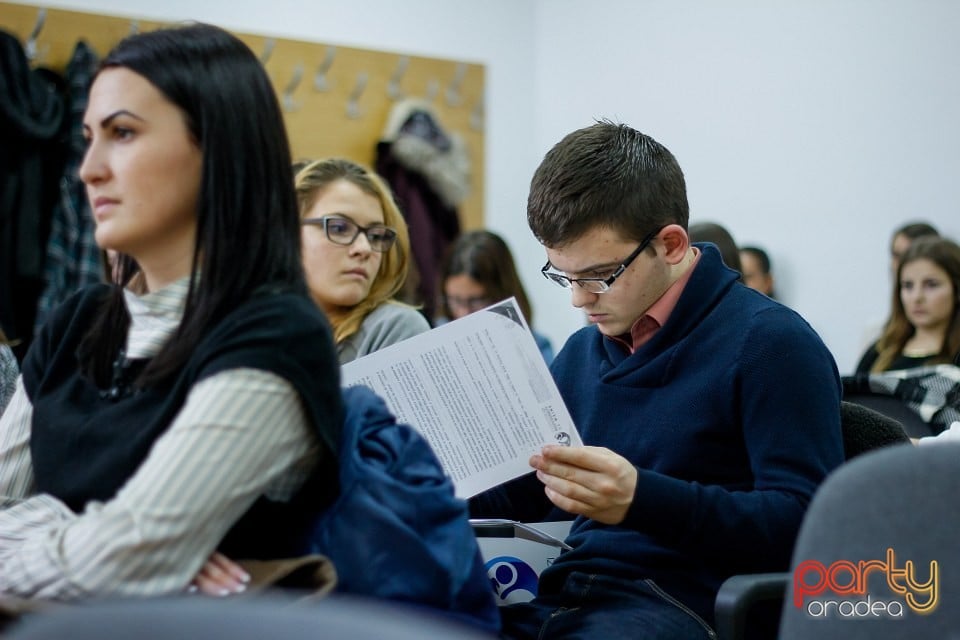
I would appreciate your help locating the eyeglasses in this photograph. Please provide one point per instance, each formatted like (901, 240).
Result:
(468, 304)
(598, 285)
(344, 231)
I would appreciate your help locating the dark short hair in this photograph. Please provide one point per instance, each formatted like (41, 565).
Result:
(485, 257)
(914, 230)
(761, 257)
(718, 235)
(248, 230)
(605, 175)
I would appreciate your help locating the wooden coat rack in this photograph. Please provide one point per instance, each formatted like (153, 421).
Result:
(336, 99)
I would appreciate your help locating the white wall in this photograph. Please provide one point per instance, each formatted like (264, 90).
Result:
(811, 127)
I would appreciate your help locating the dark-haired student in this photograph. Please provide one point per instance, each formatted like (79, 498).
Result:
(709, 412)
(186, 407)
(755, 267)
(477, 271)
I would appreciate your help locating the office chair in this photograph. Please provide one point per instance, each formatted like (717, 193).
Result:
(893, 407)
(896, 504)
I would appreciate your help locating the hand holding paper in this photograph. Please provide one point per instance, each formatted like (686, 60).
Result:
(590, 481)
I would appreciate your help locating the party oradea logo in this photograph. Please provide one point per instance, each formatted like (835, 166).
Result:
(866, 589)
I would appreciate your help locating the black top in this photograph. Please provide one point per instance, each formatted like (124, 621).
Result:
(900, 362)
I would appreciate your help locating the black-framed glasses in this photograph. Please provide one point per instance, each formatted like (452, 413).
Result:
(598, 285)
(344, 231)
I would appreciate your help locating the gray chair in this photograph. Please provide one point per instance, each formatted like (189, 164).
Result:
(244, 618)
(902, 499)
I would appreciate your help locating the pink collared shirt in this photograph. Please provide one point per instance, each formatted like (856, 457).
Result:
(655, 317)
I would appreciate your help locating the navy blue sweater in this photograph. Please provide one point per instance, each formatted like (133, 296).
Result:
(731, 415)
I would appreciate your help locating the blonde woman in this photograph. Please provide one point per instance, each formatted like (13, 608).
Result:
(356, 253)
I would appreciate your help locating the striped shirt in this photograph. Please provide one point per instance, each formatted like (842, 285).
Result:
(8, 375)
(200, 477)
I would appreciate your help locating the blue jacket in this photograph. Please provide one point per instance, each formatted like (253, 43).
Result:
(397, 531)
(731, 413)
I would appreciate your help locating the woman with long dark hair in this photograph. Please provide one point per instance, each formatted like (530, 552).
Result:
(479, 270)
(191, 405)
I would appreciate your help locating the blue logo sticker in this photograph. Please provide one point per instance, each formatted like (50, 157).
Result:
(510, 576)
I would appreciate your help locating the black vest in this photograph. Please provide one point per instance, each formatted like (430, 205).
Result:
(86, 442)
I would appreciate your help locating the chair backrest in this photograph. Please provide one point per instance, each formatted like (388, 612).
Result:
(893, 407)
(877, 554)
(243, 618)
(865, 429)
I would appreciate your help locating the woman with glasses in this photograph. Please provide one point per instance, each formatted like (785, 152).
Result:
(356, 254)
(479, 270)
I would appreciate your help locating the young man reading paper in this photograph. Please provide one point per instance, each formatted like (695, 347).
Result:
(709, 412)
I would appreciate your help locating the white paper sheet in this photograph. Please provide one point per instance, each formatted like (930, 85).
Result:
(478, 390)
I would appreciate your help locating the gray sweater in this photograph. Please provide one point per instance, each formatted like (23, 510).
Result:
(388, 324)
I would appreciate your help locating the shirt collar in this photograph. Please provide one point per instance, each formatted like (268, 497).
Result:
(154, 317)
(659, 312)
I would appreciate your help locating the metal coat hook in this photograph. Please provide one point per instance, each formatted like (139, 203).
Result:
(353, 102)
(289, 102)
(394, 90)
(433, 88)
(30, 48)
(454, 98)
(476, 115)
(320, 82)
(267, 50)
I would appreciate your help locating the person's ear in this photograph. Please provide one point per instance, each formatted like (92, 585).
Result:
(675, 241)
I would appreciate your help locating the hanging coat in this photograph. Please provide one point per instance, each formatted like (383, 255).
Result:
(72, 255)
(31, 163)
(428, 171)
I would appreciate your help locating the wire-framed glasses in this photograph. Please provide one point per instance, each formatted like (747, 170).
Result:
(344, 231)
(598, 285)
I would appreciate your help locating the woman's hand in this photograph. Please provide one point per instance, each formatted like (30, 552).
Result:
(220, 576)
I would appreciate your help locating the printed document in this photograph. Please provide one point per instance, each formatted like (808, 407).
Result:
(478, 390)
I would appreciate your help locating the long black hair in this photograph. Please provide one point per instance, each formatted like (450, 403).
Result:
(248, 230)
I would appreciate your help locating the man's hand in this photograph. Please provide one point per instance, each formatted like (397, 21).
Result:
(220, 576)
(590, 481)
